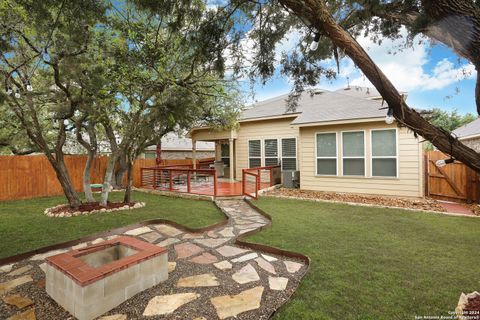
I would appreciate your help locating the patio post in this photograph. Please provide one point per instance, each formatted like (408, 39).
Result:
(194, 153)
(215, 183)
(232, 159)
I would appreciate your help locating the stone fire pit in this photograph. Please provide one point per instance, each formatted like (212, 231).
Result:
(93, 280)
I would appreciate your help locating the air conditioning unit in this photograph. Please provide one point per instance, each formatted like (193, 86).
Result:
(291, 179)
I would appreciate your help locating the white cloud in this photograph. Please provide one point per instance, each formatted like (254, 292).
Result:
(407, 68)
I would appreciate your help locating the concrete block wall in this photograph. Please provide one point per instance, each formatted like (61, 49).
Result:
(93, 300)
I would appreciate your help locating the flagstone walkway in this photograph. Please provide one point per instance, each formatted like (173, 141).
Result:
(209, 276)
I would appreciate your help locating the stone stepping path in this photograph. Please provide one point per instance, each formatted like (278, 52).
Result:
(209, 276)
(246, 274)
(17, 301)
(161, 305)
(231, 306)
(201, 280)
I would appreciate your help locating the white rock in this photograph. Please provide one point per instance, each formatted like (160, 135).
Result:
(6, 268)
(246, 257)
(292, 267)
(277, 283)
(223, 265)
(269, 258)
(138, 231)
(231, 306)
(162, 305)
(246, 274)
(201, 280)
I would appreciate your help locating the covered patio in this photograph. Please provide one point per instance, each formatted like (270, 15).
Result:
(225, 162)
(220, 179)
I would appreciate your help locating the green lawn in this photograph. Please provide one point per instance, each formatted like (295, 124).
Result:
(369, 263)
(24, 227)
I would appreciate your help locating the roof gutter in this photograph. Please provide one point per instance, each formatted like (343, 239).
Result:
(283, 116)
(335, 122)
(472, 136)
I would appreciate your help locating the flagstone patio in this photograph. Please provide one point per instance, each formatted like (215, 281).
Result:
(209, 276)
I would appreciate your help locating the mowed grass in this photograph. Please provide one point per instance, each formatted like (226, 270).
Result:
(24, 227)
(369, 263)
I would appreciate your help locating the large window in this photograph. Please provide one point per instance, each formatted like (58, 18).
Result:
(271, 152)
(289, 154)
(353, 155)
(384, 153)
(254, 153)
(326, 144)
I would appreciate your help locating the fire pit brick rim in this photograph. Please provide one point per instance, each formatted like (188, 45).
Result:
(83, 274)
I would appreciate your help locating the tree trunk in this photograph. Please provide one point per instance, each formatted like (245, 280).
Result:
(120, 174)
(128, 190)
(317, 13)
(477, 90)
(64, 179)
(107, 181)
(87, 188)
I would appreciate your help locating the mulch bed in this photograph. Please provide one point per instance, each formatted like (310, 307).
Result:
(474, 207)
(90, 206)
(472, 309)
(417, 204)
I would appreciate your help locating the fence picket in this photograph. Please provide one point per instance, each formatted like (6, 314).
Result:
(26, 177)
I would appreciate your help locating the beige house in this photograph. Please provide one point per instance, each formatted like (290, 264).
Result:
(338, 141)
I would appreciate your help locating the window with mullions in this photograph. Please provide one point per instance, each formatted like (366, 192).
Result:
(289, 154)
(384, 153)
(326, 145)
(254, 153)
(270, 152)
(353, 155)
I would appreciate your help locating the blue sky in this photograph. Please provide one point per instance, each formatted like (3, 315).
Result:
(432, 75)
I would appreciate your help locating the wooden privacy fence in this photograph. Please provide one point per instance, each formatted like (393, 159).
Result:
(26, 177)
(453, 182)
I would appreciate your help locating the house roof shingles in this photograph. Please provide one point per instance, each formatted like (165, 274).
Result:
(323, 106)
(360, 92)
(469, 129)
(177, 142)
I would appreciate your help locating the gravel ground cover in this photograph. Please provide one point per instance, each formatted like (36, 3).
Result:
(416, 204)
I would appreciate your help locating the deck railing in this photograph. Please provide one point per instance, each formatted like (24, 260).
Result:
(256, 179)
(181, 179)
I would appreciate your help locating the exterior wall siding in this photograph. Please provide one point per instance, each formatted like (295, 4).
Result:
(278, 128)
(409, 182)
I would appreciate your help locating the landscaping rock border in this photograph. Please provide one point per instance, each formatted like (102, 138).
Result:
(53, 211)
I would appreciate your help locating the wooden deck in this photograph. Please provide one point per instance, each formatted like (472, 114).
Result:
(206, 182)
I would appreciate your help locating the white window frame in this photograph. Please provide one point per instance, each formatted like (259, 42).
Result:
(261, 152)
(296, 152)
(384, 157)
(317, 157)
(364, 153)
(264, 157)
